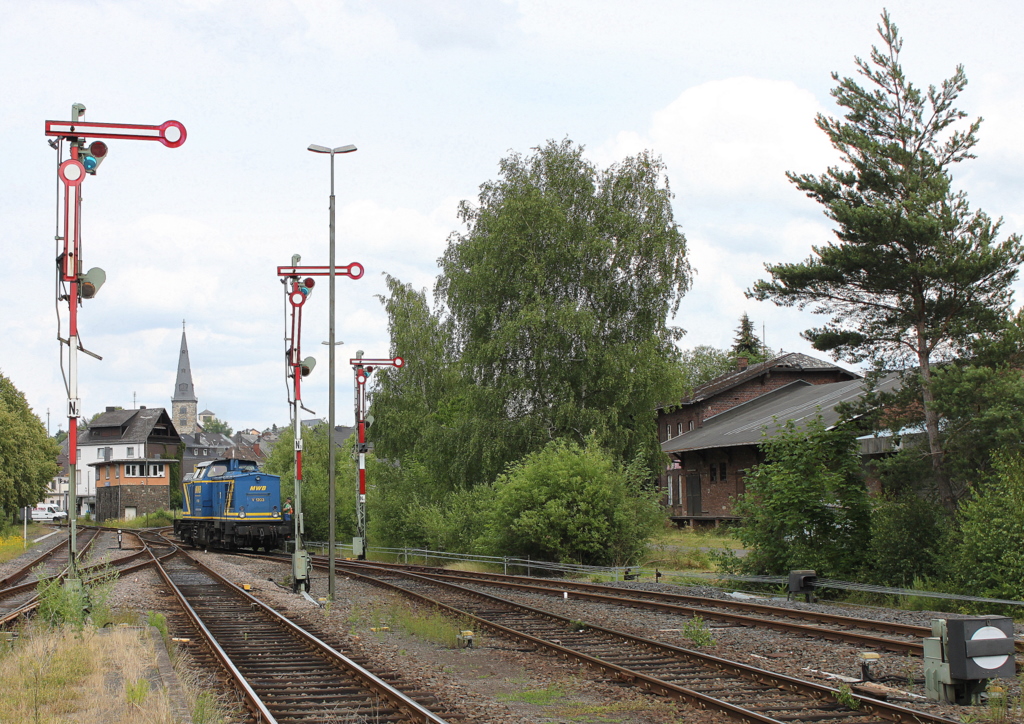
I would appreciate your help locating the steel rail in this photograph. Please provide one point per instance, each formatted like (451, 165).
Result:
(252, 700)
(903, 647)
(396, 698)
(838, 619)
(33, 603)
(869, 705)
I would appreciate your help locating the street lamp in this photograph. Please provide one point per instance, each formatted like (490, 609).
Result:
(330, 415)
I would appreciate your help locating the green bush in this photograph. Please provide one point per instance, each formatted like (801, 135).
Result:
(806, 506)
(907, 534)
(572, 504)
(986, 551)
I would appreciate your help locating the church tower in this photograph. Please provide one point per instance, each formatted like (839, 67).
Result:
(183, 401)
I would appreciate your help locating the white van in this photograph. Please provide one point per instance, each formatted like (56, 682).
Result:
(48, 513)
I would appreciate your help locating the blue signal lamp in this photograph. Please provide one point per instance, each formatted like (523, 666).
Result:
(93, 155)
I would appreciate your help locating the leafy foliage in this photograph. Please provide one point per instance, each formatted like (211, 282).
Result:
(28, 457)
(315, 489)
(915, 275)
(558, 296)
(907, 536)
(213, 425)
(572, 503)
(806, 506)
(702, 364)
(987, 554)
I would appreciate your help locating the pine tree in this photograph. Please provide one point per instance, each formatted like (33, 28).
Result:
(915, 275)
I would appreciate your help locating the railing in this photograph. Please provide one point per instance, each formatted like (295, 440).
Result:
(530, 567)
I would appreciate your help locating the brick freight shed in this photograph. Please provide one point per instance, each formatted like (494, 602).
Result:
(745, 383)
(709, 464)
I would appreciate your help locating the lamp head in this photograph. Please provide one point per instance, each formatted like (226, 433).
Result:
(77, 111)
(91, 282)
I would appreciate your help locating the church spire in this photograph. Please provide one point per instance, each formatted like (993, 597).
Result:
(183, 401)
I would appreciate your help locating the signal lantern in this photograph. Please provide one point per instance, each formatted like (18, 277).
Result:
(92, 156)
(306, 286)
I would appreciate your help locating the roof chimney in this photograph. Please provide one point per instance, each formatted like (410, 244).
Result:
(110, 409)
(142, 407)
(741, 363)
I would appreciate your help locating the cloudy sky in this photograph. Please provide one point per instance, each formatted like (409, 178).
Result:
(434, 93)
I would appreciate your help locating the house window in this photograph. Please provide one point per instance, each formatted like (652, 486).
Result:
(107, 469)
(156, 470)
(206, 452)
(670, 490)
(721, 472)
(131, 452)
(117, 471)
(691, 425)
(99, 453)
(713, 471)
(133, 471)
(668, 431)
(679, 428)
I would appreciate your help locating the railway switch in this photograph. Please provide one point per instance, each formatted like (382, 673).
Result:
(963, 654)
(802, 582)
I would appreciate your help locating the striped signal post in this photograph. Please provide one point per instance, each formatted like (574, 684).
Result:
(76, 285)
(298, 285)
(363, 368)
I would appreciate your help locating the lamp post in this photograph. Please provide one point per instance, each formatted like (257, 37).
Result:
(330, 383)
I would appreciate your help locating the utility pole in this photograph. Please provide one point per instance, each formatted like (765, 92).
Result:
(363, 368)
(76, 285)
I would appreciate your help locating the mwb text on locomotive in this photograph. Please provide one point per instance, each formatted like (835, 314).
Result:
(231, 504)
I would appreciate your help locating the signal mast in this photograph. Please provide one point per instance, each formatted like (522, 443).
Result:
(296, 291)
(74, 284)
(363, 368)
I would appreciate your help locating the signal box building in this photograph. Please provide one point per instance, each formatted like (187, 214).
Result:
(710, 456)
(129, 455)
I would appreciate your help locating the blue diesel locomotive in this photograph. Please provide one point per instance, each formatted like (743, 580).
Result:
(230, 504)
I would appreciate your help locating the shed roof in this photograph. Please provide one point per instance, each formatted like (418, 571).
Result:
(798, 401)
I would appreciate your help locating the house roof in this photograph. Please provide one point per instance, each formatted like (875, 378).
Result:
(798, 401)
(135, 426)
(791, 361)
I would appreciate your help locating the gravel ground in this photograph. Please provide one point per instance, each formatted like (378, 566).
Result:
(497, 681)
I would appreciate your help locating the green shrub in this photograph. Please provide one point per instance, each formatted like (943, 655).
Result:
(572, 504)
(907, 534)
(806, 506)
(986, 551)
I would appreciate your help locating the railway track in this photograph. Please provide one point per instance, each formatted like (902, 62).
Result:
(284, 673)
(746, 693)
(21, 598)
(861, 632)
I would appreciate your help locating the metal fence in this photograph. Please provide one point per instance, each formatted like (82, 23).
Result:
(530, 567)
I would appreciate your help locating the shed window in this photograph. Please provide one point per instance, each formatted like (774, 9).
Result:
(721, 472)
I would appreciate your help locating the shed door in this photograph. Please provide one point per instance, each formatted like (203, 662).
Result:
(693, 502)
(130, 511)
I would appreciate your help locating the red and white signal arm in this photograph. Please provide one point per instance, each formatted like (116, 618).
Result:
(170, 133)
(363, 365)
